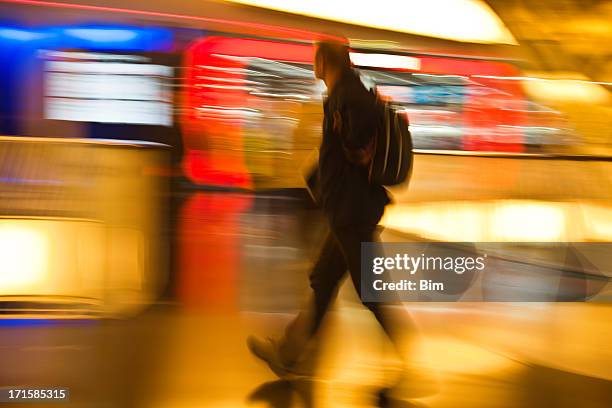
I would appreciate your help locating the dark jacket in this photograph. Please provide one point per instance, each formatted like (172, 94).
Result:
(350, 122)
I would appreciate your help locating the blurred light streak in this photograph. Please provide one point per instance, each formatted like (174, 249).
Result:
(526, 78)
(229, 111)
(23, 256)
(560, 89)
(385, 61)
(450, 355)
(22, 34)
(99, 68)
(439, 75)
(438, 221)
(598, 220)
(568, 90)
(502, 221)
(117, 37)
(215, 149)
(34, 321)
(234, 87)
(209, 244)
(92, 38)
(528, 221)
(434, 18)
(234, 71)
(374, 44)
(280, 95)
(96, 34)
(285, 67)
(292, 32)
(229, 80)
(92, 56)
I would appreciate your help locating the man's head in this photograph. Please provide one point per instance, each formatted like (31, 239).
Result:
(331, 59)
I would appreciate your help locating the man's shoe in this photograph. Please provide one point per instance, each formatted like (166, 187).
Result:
(267, 351)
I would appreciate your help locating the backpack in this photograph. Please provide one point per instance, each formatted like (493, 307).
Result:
(392, 157)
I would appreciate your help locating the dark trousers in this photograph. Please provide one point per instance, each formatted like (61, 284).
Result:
(341, 252)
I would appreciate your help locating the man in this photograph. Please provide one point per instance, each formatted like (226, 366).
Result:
(352, 205)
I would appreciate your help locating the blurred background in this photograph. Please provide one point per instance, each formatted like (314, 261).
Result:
(153, 211)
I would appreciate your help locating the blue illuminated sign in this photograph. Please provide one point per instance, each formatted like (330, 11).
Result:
(93, 37)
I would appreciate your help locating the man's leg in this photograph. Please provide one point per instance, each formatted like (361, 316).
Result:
(395, 321)
(283, 355)
(414, 381)
(324, 279)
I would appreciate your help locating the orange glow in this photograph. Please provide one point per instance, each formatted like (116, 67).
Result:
(209, 264)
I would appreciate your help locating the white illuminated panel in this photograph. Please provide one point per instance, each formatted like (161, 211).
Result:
(102, 86)
(52, 257)
(385, 61)
(117, 68)
(108, 92)
(69, 257)
(23, 256)
(113, 111)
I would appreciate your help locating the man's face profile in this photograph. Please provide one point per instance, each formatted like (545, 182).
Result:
(318, 64)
